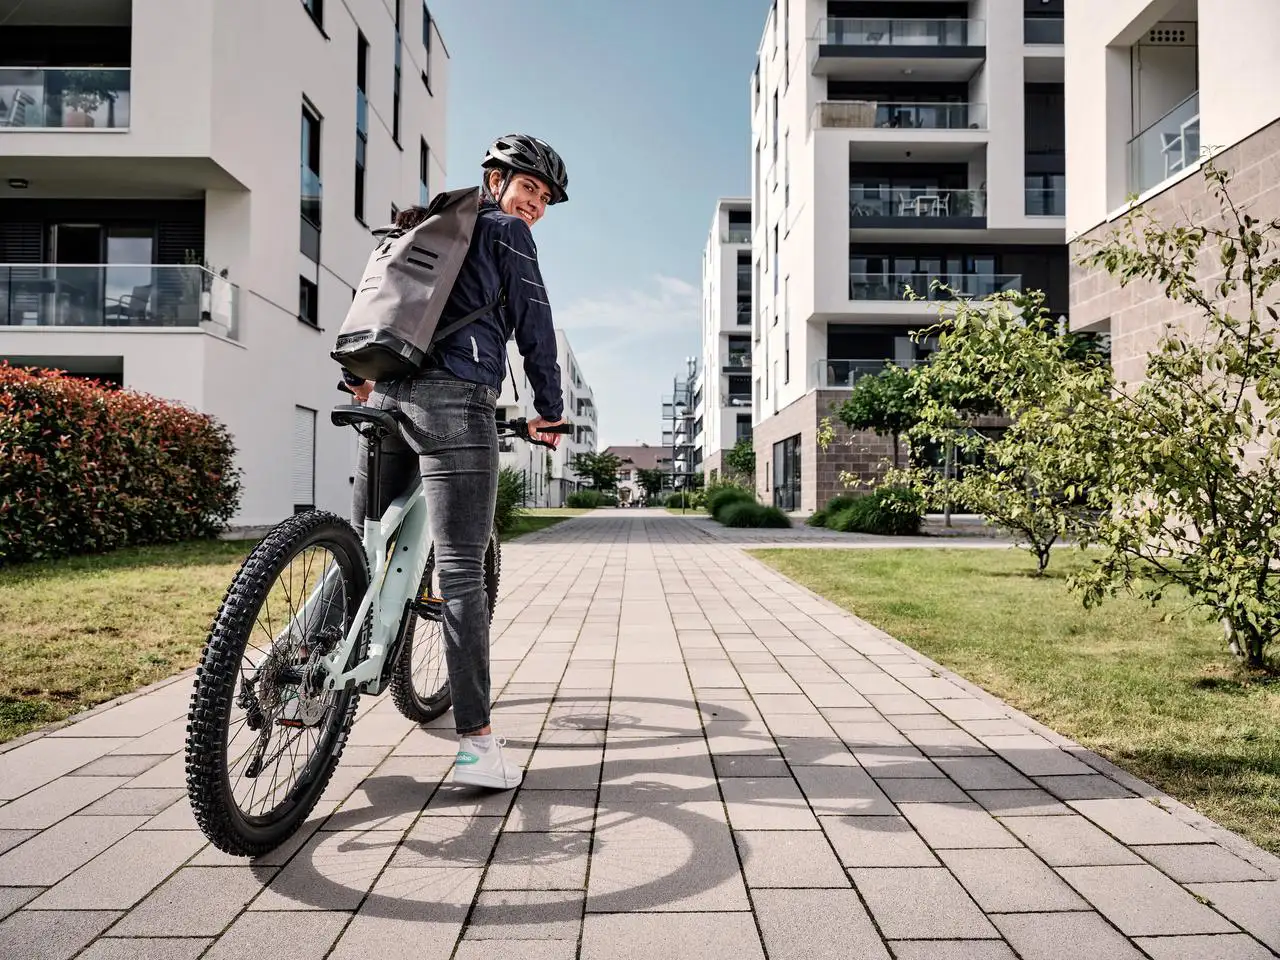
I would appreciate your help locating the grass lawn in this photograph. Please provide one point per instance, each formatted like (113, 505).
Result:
(81, 631)
(534, 519)
(1162, 700)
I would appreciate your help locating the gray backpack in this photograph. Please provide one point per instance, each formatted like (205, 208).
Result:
(394, 319)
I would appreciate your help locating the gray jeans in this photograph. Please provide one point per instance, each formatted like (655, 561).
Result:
(454, 448)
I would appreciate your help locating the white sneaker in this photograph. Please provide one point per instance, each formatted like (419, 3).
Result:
(485, 768)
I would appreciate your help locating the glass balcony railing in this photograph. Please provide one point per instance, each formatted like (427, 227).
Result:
(736, 399)
(64, 98)
(1047, 30)
(738, 361)
(893, 286)
(1170, 144)
(851, 32)
(873, 114)
(1050, 201)
(737, 233)
(843, 374)
(117, 295)
(744, 314)
(911, 203)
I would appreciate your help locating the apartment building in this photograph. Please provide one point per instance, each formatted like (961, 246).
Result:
(894, 143)
(725, 412)
(186, 195)
(683, 417)
(548, 476)
(634, 459)
(1155, 87)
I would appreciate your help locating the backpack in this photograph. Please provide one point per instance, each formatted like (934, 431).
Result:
(394, 318)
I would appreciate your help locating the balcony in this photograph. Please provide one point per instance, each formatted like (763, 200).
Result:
(899, 207)
(743, 314)
(843, 374)
(1043, 31)
(738, 362)
(1050, 201)
(735, 399)
(736, 233)
(62, 98)
(893, 287)
(101, 296)
(1168, 146)
(904, 118)
(951, 49)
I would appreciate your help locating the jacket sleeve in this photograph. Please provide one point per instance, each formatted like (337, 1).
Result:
(531, 316)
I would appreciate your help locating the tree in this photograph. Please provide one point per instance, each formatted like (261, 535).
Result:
(599, 469)
(1189, 491)
(884, 403)
(740, 462)
(651, 481)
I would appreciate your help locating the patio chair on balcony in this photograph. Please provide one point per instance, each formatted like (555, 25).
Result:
(15, 114)
(130, 309)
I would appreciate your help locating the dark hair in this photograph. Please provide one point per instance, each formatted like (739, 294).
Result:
(410, 217)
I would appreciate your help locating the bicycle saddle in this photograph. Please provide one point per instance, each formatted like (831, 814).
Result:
(355, 415)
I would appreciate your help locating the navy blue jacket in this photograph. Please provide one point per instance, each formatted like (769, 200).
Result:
(502, 259)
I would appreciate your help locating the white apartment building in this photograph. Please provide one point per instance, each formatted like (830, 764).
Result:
(1154, 88)
(683, 412)
(140, 139)
(895, 143)
(724, 414)
(548, 476)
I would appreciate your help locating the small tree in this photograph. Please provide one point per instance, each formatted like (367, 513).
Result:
(599, 469)
(740, 462)
(885, 403)
(651, 482)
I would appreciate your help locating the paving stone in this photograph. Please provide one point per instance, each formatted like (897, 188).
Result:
(176, 816)
(392, 796)
(1142, 901)
(460, 800)
(539, 861)
(957, 825)
(152, 948)
(788, 858)
(877, 842)
(333, 871)
(298, 937)
(866, 714)
(49, 856)
(779, 704)
(410, 914)
(1137, 821)
(542, 811)
(816, 925)
(1021, 803)
(1035, 756)
(526, 915)
(739, 738)
(731, 766)
(816, 752)
(834, 695)
(211, 856)
(1052, 936)
(40, 935)
(896, 763)
(1200, 863)
(124, 874)
(842, 791)
(766, 803)
(166, 740)
(1222, 947)
(42, 761)
(878, 733)
(11, 838)
(1010, 881)
(1091, 787)
(922, 790)
(169, 772)
(970, 708)
(563, 768)
(875, 682)
(946, 742)
(195, 902)
(675, 769)
(900, 704)
(1251, 905)
(924, 903)
(525, 949)
(1004, 727)
(142, 802)
(118, 765)
(983, 773)
(951, 950)
(1069, 841)
(689, 936)
(13, 898)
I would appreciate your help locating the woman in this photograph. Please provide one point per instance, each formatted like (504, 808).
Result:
(451, 404)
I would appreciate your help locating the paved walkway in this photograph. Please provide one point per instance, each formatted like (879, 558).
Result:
(720, 765)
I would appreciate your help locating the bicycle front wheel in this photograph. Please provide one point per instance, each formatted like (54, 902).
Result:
(264, 737)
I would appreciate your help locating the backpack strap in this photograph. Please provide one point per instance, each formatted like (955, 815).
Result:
(450, 329)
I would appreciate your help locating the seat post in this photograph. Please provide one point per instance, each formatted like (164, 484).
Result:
(373, 506)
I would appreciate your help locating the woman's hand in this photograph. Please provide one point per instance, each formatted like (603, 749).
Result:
(537, 423)
(361, 392)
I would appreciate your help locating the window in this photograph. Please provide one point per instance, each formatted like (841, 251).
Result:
(775, 126)
(775, 270)
(786, 330)
(786, 473)
(304, 459)
(426, 44)
(362, 119)
(395, 83)
(311, 184)
(743, 427)
(744, 288)
(308, 302)
(786, 47)
(424, 173)
(786, 169)
(316, 9)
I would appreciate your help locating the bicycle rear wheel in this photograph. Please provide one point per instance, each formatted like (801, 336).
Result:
(420, 681)
(264, 738)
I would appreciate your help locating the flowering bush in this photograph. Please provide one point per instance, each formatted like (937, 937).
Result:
(85, 469)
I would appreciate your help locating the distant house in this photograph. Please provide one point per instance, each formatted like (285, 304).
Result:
(635, 459)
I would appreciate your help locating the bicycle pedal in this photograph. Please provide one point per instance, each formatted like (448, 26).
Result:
(291, 723)
(429, 606)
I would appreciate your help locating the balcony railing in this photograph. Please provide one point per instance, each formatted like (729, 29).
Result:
(738, 361)
(1170, 144)
(744, 314)
(1042, 30)
(912, 203)
(1047, 201)
(735, 399)
(893, 286)
(62, 98)
(851, 32)
(737, 234)
(873, 114)
(111, 295)
(843, 374)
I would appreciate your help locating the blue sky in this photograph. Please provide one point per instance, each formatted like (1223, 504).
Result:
(648, 104)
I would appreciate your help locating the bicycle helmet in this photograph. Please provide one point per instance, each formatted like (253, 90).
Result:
(520, 152)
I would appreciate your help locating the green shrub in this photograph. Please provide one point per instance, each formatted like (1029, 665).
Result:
(718, 499)
(607, 500)
(89, 469)
(748, 513)
(584, 499)
(681, 500)
(817, 519)
(842, 502)
(510, 502)
(886, 512)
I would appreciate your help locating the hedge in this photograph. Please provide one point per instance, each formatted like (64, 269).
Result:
(748, 513)
(590, 499)
(886, 512)
(87, 468)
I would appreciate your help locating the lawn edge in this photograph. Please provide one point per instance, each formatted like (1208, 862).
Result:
(1265, 861)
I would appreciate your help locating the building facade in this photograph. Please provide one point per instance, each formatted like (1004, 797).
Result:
(1154, 90)
(894, 144)
(634, 459)
(186, 195)
(725, 413)
(683, 416)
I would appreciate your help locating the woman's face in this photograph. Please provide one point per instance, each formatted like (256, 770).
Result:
(526, 196)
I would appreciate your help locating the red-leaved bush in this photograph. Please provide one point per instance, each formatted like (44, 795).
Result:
(85, 469)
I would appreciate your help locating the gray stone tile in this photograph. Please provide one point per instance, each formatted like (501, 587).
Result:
(195, 902)
(124, 874)
(877, 842)
(460, 800)
(1251, 905)
(866, 714)
(169, 772)
(842, 791)
(1093, 786)
(739, 738)
(731, 766)
(970, 708)
(564, 768)
(409, 914)
(539, 861)
(1069, 841)
(878, 733)
(448, 842)
(924, 903)
(671, 769)
(333, 871)
(298, 937)
(211, 856)
(1052, 936)
(49, 856)
(128, 803)
(900, 704)
(1010, 881)
(896, 763)
(1035, 756)
(524, 949)
(776, 704)
(542, 811)
(40, 935)
(12, 898)
(922, 790)
(526, 915)
(957, 825)
(176, 816)
(816, 925)
(11, 838)
(921, 721)
(834, 695)
(789, 858)
(152, 948)
(766, 803)
(1236, 946)
(1004, 727)
(689, 936)
(1199, 863)
(1021, 803)
(1137, 821)
(983, 773)
(1142, 901)
(45, 806)
(816, 752)
(952, 742)
(951, 950)
(42, 761)
(119, 765)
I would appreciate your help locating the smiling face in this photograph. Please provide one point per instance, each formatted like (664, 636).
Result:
(526, 196)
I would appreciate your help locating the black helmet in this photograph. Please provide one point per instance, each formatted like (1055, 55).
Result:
(526, 154)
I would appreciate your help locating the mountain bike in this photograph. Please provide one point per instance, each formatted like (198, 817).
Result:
(316, 616)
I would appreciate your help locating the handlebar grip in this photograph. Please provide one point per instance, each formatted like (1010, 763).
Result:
(558, 428)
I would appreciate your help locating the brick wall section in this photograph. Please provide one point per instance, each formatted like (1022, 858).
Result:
(1140, 312)
(712, 462)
